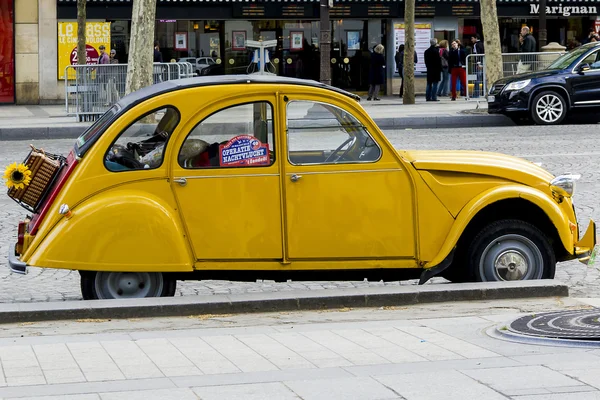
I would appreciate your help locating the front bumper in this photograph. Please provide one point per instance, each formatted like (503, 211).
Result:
(585, 248)
(508, 102)
(14, 263)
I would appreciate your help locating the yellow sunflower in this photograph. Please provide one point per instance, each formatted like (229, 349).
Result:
(17, 176)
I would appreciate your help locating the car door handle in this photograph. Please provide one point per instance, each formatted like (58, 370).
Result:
(181, 181)
(295, 178)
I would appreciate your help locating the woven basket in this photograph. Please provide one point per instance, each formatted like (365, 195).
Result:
(43, 170)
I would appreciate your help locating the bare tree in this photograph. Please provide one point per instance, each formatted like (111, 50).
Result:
(409, 53)
(81, 20)
(141, 45)
(491, 33)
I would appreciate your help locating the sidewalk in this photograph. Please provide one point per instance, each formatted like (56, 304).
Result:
(43, 122)
(442, 351)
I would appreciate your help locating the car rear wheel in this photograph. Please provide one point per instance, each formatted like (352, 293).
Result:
(126, 285)
(511, 250)
(548, 108)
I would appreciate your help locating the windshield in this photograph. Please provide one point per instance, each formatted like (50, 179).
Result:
(567, 59)
(94, 131)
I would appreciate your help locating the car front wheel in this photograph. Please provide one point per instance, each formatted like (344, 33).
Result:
(126, 285)
(548, 108)
(511, 250)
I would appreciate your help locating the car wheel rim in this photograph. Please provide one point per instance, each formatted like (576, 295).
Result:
(511, 258)
(549, 108)
(128, 285)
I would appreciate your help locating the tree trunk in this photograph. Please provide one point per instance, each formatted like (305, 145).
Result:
(408, 96)
(491, 34)
(81, 18)
(325, 43)
(141, 45)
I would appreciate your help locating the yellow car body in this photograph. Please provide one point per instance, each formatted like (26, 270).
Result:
(299, 213)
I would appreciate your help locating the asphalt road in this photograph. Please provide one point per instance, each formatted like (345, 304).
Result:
(561, 149)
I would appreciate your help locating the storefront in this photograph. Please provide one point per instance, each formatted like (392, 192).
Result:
(7, 52)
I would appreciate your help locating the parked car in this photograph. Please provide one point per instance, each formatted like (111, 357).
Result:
(199, 63)
(265, 177)
(213, 69)
(569, 84)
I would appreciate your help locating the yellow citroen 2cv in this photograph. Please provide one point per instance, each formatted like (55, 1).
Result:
(258, 177)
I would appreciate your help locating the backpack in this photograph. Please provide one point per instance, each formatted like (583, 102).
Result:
(444, 59)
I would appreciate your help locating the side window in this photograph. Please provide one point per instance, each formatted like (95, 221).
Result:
(593, 60)
(142, 144)
(320, 133)
(238, 136)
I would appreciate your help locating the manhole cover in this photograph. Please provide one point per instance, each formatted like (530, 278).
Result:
(579, 328)
(572, 325)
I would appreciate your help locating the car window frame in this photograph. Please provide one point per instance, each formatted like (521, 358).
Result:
(162, 161)
(273, 148)
(582, 58)
(362, 125)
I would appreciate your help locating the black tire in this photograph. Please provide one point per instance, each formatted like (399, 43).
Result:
(548, 108)
(90, 289)
(511, 250)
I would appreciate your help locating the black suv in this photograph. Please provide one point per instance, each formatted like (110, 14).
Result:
(570, 83)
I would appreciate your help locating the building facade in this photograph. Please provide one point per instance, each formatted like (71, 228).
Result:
(42, 30)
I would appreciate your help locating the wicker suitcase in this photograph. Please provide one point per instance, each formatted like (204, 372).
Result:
(44, 169)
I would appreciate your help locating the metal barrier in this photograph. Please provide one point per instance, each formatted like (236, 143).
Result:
(90, 90)
(512, 64)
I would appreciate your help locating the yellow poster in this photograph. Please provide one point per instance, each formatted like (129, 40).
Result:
(96, 34)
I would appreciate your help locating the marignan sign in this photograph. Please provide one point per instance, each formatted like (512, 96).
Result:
(564, 11)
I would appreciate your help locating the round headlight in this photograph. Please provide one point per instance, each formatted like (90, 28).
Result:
(564, 185)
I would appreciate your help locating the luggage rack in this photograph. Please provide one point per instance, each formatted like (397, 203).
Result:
(45, 169)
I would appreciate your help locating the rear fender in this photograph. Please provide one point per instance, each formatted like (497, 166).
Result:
(536, 197)
(118, 230)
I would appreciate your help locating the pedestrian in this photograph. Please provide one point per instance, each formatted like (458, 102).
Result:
(479, 50)
(102, 75)
(400, 65)
(529, 44)
(157, 54)
(433, 63)
(376, 72)
(157, 59)
(457, 60)
(445, 79)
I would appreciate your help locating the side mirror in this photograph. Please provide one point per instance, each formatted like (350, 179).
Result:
(583, 67)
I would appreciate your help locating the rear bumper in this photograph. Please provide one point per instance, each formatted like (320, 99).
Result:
(584, 249)
(14, 263)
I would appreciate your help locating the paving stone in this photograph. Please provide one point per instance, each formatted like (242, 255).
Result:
(343, 389)
(256, 391)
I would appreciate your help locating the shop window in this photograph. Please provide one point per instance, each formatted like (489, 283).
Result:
(142, 145)
(238, 136)
(320, 133)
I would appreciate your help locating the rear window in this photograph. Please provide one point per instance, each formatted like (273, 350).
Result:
(90, 135)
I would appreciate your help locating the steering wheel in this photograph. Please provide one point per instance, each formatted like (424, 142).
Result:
(350, 140)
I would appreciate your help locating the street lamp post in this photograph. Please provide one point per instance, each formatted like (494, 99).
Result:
(325, 42)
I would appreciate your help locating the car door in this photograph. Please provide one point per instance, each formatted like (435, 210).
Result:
(585, 85)
(347, 195)
(227, 182)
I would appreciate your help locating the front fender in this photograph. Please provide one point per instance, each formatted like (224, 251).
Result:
(119, 230)
(470, 210)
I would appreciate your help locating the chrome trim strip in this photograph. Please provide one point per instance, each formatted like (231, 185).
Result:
(588, 102)
(222, 176)
(343, 172)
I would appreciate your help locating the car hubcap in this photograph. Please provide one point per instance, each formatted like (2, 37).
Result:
(511, 258)
(549, 108)
(122, 285)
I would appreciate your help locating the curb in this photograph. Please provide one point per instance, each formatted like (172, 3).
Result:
(72, 131)
(278, 301)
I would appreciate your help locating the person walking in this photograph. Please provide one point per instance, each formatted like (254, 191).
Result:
(457, 60)
(433, 63)
(445, 80)
(376, 72)
(479, 49)
(399, 58)
(528, 45)
(102, 75)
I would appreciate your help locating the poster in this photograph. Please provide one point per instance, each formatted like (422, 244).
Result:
(422, 38)
(96, 34)
(297, 41)
(244, 150)
(353, 40)
(239, 40)
(181, 41)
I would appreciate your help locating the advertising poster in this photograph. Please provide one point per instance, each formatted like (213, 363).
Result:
(244, 150)
(422, 38)
(96, 34)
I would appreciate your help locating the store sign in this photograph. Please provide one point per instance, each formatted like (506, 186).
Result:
(96, 34)
(564, 11)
